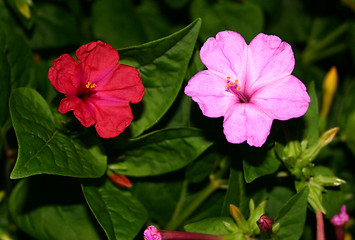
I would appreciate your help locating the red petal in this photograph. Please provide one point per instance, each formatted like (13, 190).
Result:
(97, 59)
(124, 83)
(112, 118)
(64, 74)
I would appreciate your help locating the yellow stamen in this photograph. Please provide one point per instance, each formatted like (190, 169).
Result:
(228, 78)
(90, 85)
(239, 87)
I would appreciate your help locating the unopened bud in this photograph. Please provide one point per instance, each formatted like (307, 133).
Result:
(330, 84)
(237, 215)
(265, 223)
(120, 180)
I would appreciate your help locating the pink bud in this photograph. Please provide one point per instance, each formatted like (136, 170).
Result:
(265, 223)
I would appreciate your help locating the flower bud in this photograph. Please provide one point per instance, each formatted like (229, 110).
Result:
(265, 223)
(330, 84)
(120, 180)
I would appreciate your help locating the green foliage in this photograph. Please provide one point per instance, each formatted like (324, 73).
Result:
(117, 211)
(49, 209)
(162, 65)
(184, 173)
(161, 152)
(41, 144)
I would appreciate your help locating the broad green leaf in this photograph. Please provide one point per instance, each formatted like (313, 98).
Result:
(244, 17)
(52, 208)
(19, 57)
(259, 164)
(216, 226)
(236, 193)
(162, 65)
(161, 152)
(5, 87)
(43, 149)
(277, 198)
(119, 213)
(292, 216)
(200, 169)
(163, 191)
(311, 131)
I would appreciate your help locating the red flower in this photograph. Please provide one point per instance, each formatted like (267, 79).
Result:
(98, 89)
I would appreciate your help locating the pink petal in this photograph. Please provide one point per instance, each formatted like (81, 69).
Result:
(97, 60)
(225, 55)
(209, 91)
(84, 113)
(269, 59)
(246, 122)
(68, 104)
(284, 99)
(64, 74)
(111, 119)
(123, 83)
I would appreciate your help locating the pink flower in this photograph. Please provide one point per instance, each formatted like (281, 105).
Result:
(341, 219)
(98, 89)
(152, 233)
(250, 85)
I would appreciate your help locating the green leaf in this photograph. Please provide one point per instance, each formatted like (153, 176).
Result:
(244, 17)
(162, 65)
(260, 163)
(236, 193)
(19, 57)
(161, 152)
(42, 148)
(292, 216)
(277, 198)
(119, 213)
(54, 27)
(52, 208)
(216, 226)
(163, 191)
(311, 130)
(5, 88)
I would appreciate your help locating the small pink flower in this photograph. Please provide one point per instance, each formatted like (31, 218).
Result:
(250, 85)
(152, 233)
(98, 89)
(265, 223)
(340, 219)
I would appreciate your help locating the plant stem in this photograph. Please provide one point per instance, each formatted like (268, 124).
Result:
(178, 218)
(320, 225)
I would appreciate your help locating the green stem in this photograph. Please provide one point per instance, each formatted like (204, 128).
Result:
(178, 218)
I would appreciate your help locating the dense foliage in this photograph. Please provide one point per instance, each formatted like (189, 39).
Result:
(56, 176)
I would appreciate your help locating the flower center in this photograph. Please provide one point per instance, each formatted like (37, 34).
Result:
(87, 91)
(234, 87)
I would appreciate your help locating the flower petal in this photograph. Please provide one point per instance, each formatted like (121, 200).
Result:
(68, 104)
(225, 55)
(284, 99)
(97, 59)
(84, 113)
(123, 83)
(269, 59)
(111, 118)
(209, 91)
(246, 122)
(64, 74)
